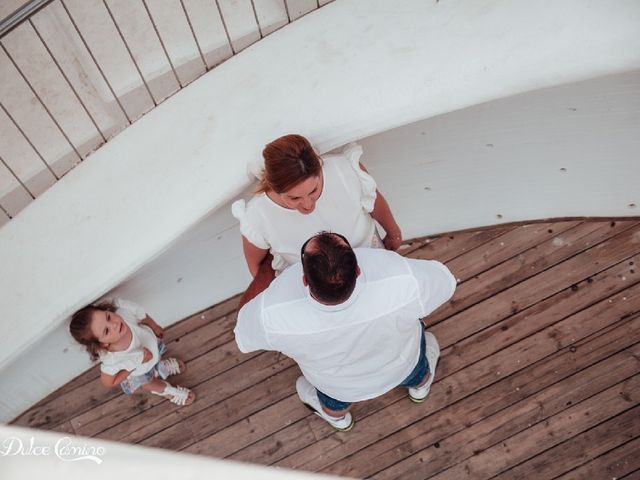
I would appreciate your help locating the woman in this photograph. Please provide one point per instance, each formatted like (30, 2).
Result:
(301, 194)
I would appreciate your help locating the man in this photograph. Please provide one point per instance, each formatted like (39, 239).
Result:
(351, 320)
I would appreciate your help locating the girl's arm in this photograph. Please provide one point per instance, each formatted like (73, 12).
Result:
(150, 322)
(382, 214)
(114, 380)
(253, 255)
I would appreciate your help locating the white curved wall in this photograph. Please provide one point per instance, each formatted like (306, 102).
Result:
(347, 71)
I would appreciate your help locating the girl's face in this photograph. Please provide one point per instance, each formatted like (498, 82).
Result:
(108, 327)
(304, 195)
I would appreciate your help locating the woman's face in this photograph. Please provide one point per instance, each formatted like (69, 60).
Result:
(304, 195)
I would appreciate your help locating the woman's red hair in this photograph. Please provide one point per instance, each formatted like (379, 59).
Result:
(288, 160)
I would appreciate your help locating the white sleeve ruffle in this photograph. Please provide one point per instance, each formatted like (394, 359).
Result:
(239, 211)
(368, 186)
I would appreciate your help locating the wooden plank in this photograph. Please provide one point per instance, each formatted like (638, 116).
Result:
(254, 427)
(545, 434)
(173, 333)
(504, 247)
(395, 447)
(478, 375)
(516, 418)
(278, 445)
(573, 453)
(559, 253)
(123, 407)
(566, 339)
(448, 247)
(222, 314)
(620, 463)
(75, 403)
(566, 302)
(506, 302)
(632, 476)
(256, 392)
(489, 343)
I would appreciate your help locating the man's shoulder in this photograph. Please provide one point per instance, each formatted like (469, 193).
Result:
(285, 287)
(376, 255)
(377, 263)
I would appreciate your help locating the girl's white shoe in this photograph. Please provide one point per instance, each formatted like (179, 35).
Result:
(177, 395)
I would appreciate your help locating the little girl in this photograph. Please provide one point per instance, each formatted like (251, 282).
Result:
(128, 344)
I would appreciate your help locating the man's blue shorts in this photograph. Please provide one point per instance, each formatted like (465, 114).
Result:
(414, 379)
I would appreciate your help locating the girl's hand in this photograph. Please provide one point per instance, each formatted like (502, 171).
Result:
(159, 331)
(392, 242)
(147, 355)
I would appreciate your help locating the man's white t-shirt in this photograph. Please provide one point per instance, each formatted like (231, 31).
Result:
(361, 348)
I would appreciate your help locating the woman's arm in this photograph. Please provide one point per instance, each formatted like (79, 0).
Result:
(383, 215)
(253, 255)
(264, 277)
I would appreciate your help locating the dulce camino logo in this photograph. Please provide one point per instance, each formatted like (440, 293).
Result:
(65, 449)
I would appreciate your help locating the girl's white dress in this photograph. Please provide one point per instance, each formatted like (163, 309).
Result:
(142, 336)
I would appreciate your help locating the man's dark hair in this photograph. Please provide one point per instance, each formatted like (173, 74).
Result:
(330, 266)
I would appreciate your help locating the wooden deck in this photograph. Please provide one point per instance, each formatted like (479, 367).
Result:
(539, 375)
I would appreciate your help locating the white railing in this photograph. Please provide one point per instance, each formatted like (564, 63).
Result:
(74, 73)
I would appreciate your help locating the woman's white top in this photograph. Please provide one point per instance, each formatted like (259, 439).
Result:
(344, 207)
(141, 336)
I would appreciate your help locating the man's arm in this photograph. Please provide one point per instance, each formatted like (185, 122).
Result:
(436, 284)
(261, 281)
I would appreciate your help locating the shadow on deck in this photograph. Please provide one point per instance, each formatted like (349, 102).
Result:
(539, 374)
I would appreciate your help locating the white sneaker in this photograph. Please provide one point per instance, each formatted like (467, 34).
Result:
(432, 352)
(309, 397)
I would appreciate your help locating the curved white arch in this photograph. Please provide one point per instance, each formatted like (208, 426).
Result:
(349, 70)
